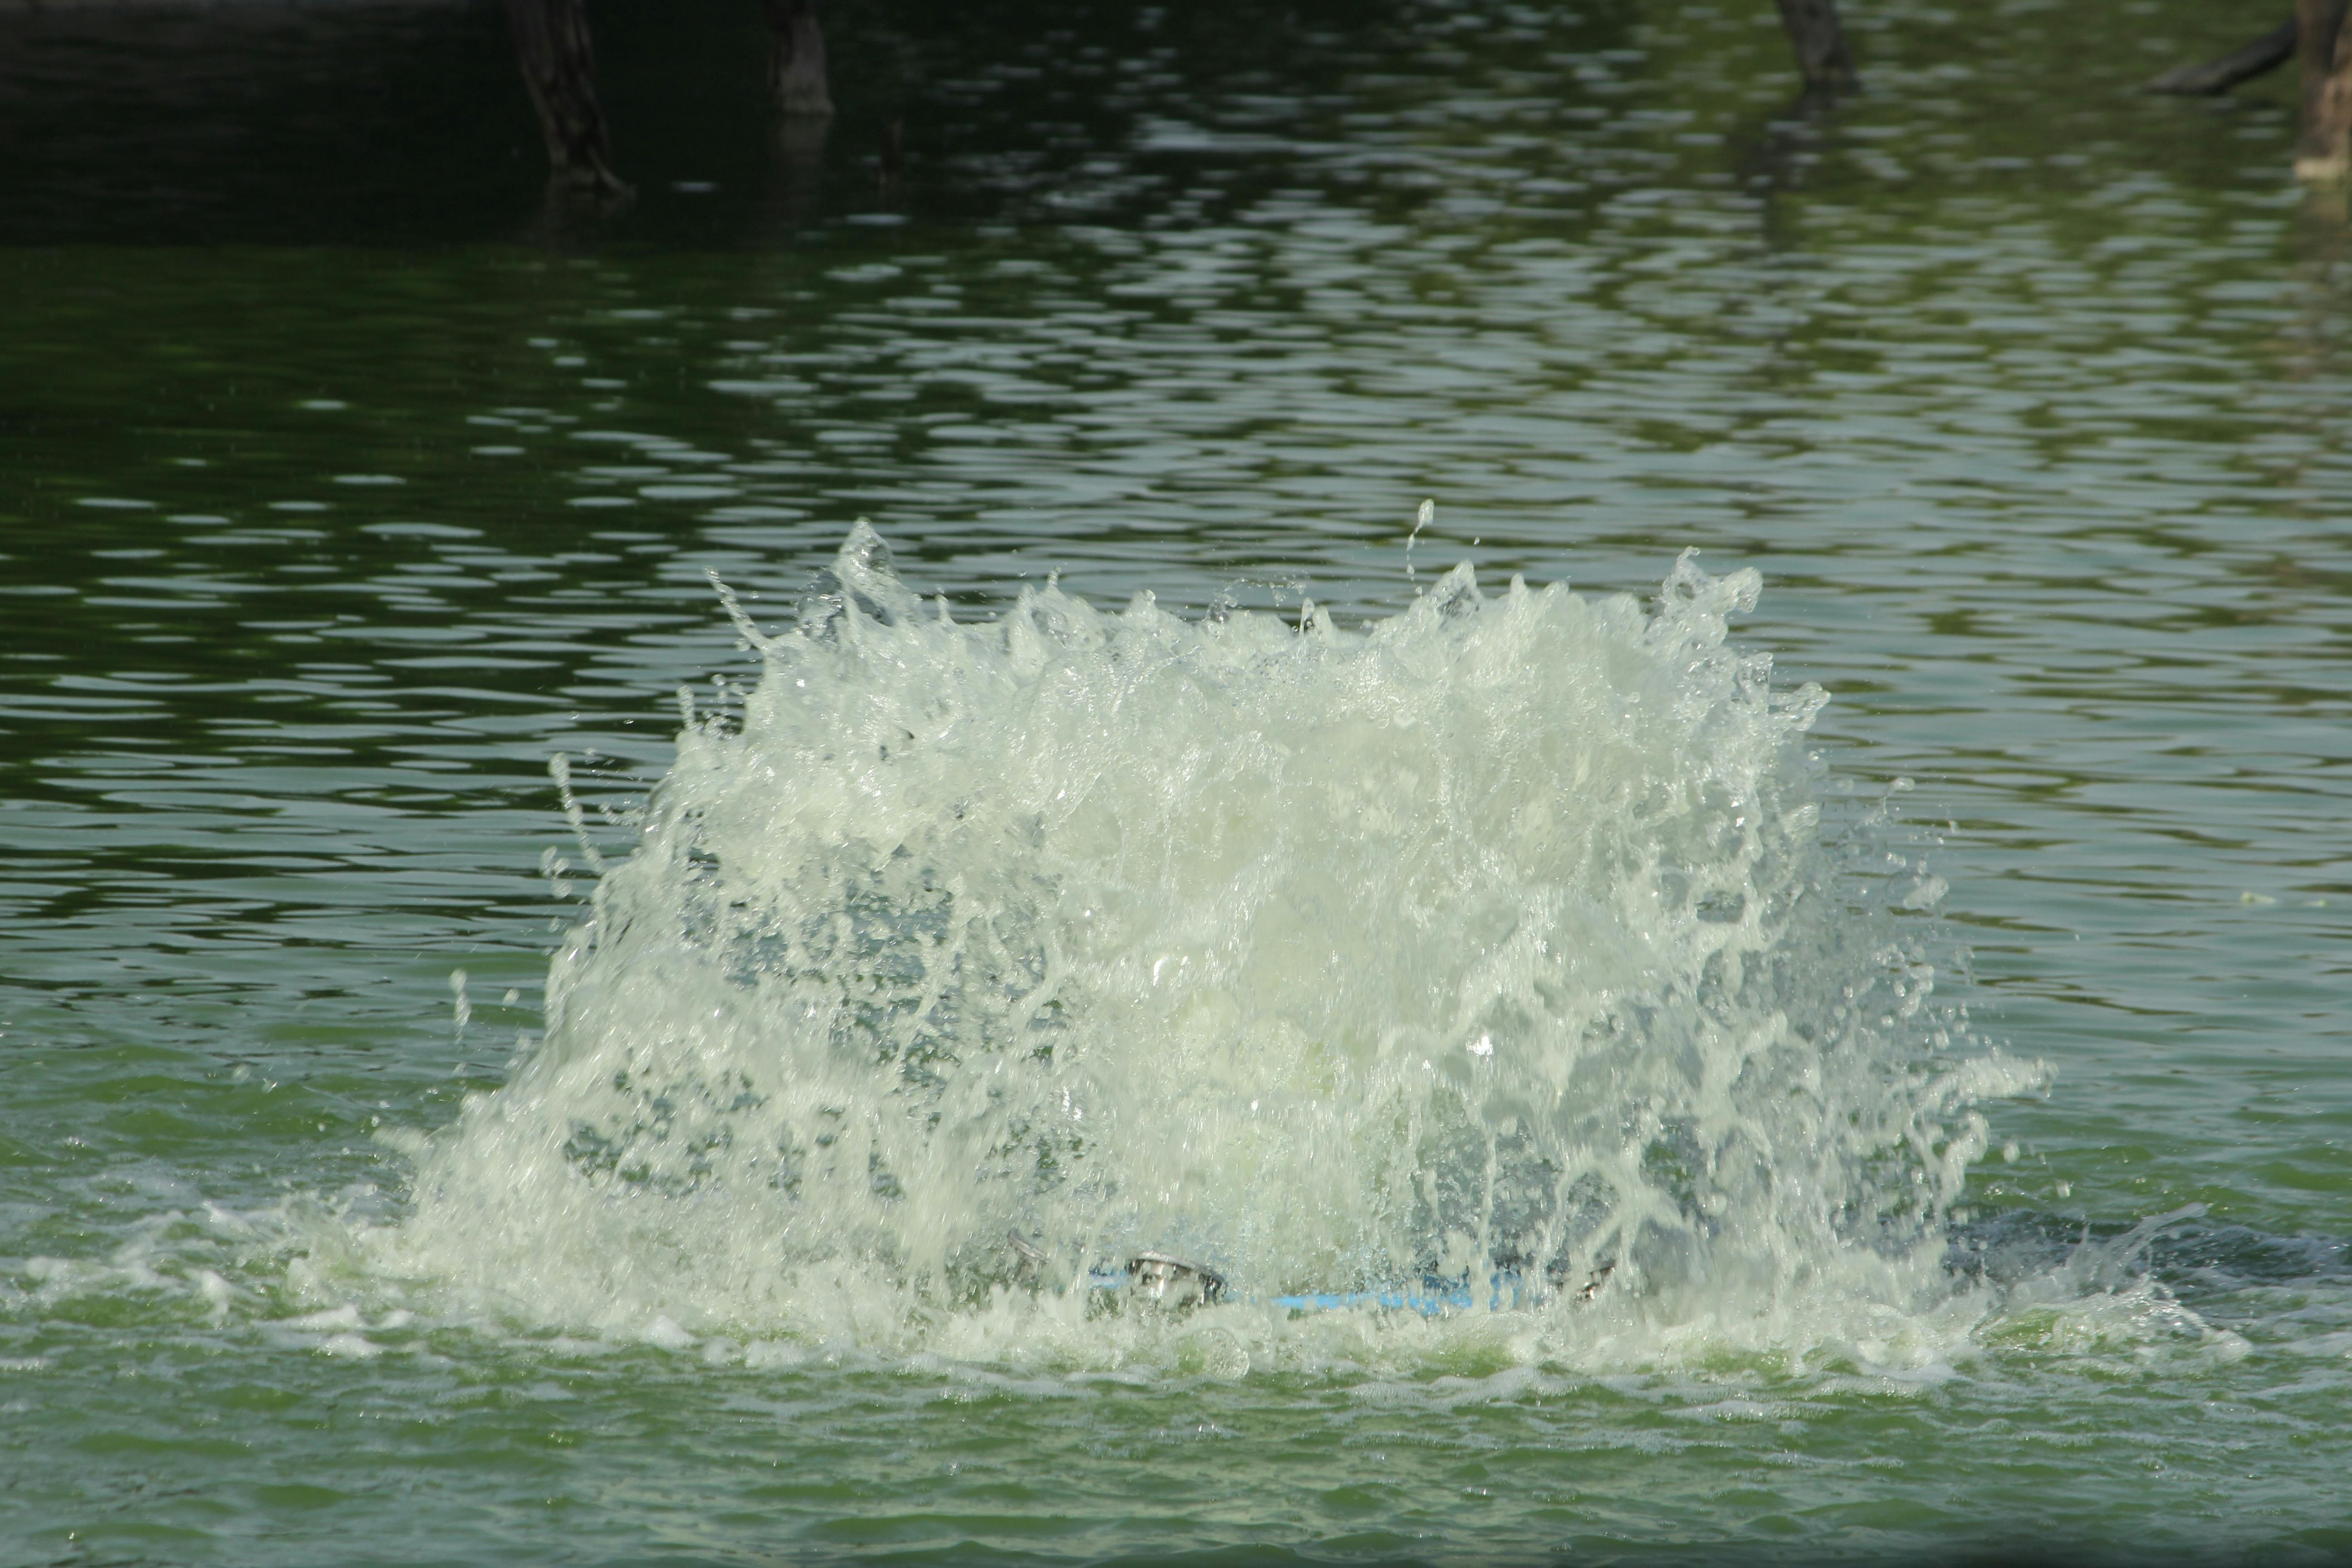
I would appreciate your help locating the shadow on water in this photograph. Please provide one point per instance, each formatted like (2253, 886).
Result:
(407, 124)
(262, 123)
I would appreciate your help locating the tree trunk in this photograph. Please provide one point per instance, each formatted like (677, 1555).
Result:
(796, 59)
(2323, 148)
(1820, 41)
(551, 44)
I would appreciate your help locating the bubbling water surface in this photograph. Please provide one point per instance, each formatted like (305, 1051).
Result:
(1505, 936)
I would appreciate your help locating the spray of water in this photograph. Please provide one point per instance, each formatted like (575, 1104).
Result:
(1499, 937)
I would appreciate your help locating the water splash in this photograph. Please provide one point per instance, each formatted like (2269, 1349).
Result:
(1499, 935)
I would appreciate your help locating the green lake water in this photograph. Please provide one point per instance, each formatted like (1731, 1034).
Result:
(345, 479)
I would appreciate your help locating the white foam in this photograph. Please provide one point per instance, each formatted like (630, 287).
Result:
(1497, 933)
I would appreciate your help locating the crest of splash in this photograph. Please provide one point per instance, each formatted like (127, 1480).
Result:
(1497, 935)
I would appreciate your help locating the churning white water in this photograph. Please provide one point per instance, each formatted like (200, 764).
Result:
(1503, 937)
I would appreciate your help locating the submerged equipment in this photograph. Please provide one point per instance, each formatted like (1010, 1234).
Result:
(1166, 1281)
